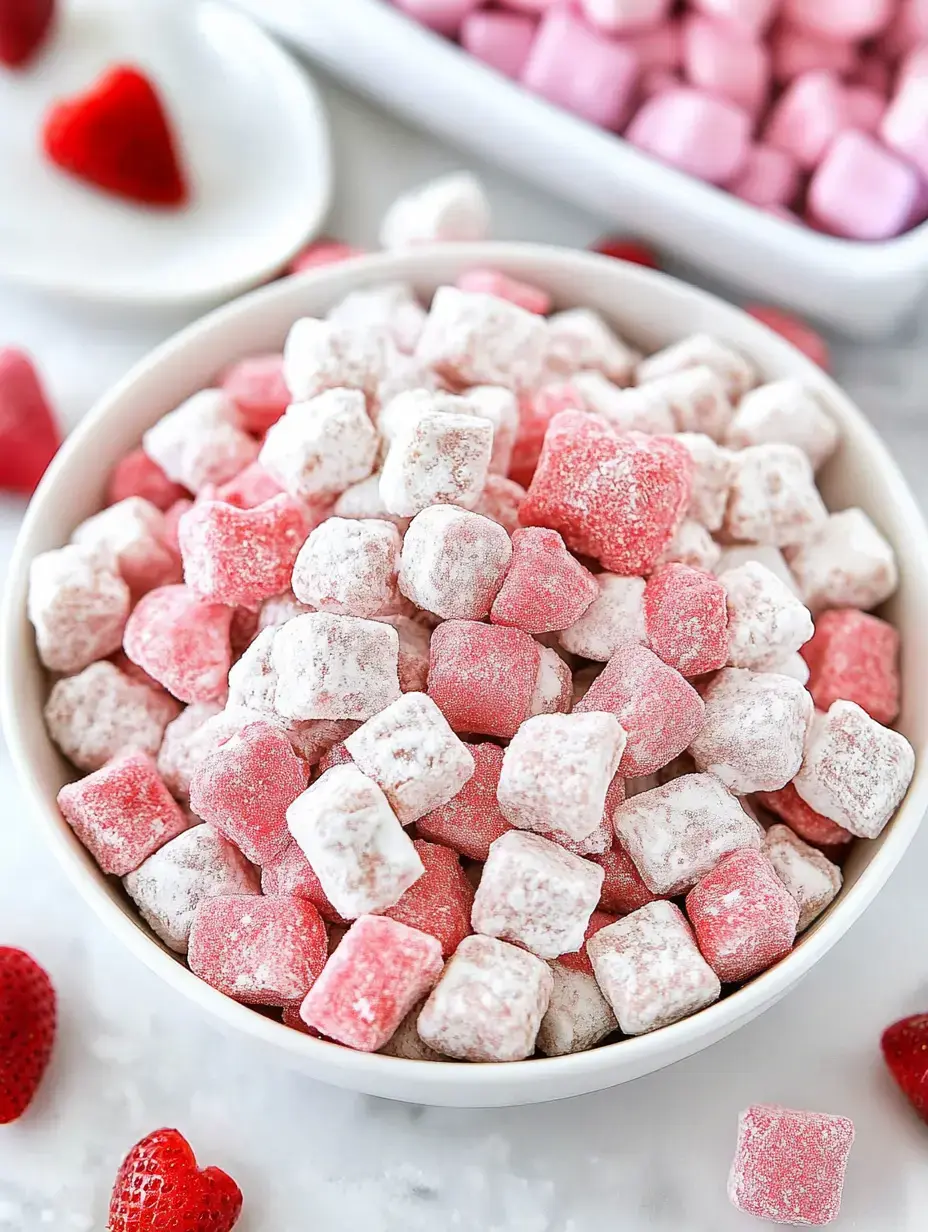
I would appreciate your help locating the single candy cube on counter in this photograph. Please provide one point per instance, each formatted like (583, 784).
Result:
(854, 657)
(846, 563)
(854, 771)
(557, 770)
(390, 307)
(453, 562)
(812, 827)
(291, 873)
(769, 177)
(136, 474)
(412, 755)
(261, 950)
(726, 61)
(133, 532)
(744, 917)
(862, 191)
(320, 357)
(334, 667)
(440, 902)
(374, 978)
(614, 617)
(101, 713)
(445, 210)
(488, 1004)
(753, 731)
(545, 589)
(624, 890)
(811, 878)
(807, 117)
(735, 371)
(784, 412)
(470, 821)
(580, 960)
(500, 39)
(352, 839)
(579, 339)
(789, 1166)
(201, 441)
(706, 136)
(349, 567)
(483, 677)
(650, 970)
(322, 446)
(678, 832)
(122, 813)
(245, 787)
(495, 282)
(773, 498)
(686, 620)
(257, 387)
(182, 641)
(658, 710)
(168, 887)
(692, 545)
(578, 1015)
(78, 605)
(766, 622)
(536, 894)
(436, 458)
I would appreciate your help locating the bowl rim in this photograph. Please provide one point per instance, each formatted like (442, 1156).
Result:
(359, 1070)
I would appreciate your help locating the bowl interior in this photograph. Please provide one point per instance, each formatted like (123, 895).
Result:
(651, 310)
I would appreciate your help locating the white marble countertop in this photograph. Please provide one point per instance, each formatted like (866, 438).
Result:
(652, 1156)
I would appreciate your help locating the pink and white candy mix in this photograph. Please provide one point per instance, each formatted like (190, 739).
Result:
(356, 707)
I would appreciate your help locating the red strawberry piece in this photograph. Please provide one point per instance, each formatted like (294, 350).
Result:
(23, 27)
(117, 136)
(905, 1051)
(29, 435)
(627, 250)
(322, 252)
(794, 330)
(27, 1030)
(159, 1188)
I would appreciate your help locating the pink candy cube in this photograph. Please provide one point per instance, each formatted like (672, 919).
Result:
(249, 488)
(256, 385)
(440, 902)
(752, 15)
(78, 605)
(803, 819)
(773, 497)
(840, 19)
(453, 562)
(623, 889)
(495, 282)
(614, 617)
(291, 873)
(810, 877)
(545, 588)
(137, 474)
(182, 641)
(578, 1015)
(863, 191)
(695, 132)
(624, 16)
(724, 60)
(483, 676)
(349, 567)
(472, 819)
(769, 177)
(807, 117)
(502, 40)
(580, 959)
(134, 532)
(846, 563)
(766, 622)
(374, 978)
(854, 657)
(475, 339)
(445, 16)
(322, 446)
(202, 441)
(686, 619)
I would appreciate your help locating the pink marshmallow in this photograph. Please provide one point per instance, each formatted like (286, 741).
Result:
(862, 191)
(619, 16)
(865, 108)
(807, 118)
(904, 127)
(719, 58)
(770, 177)
(445, 16)
(752, 15)
(840, 19)
(502, 40)
(704, 136)
(797, 51)
(658, 47)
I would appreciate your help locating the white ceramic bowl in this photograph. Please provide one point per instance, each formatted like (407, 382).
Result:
(652, 310)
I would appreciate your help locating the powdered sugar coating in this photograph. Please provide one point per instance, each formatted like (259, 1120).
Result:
(846, 563)
(351, 837)
(182, 641)
(291, 873)
(201, 441)
(701, 350)
(136, 474)
(855, 771)
(766, 622)
(279, 609)
(436, 458)
(754, 729)
(334, 667)
(257, 387)
(686, 619)
(794, 666)
(133, 532)
(185, 744)
(122, 813)
(764, 554)
(168, 887)
(471, 820)
(854, 657)
(453, 562)
(449, 208)
(406, 1043)
(639, 409)
(488, 1004)
(545, 589)
(579, 338)
(811, 878)
(78, 605)
(253, 680)
(614, 617)
(696, 400)
(495, 282)
(412, 754)
(773, 497)
(390, 308)
(692, 545)
(713, 471)
(246, 490)
(553, 692)
(260, 950)
(578, 1015)
(498, 405)
(536, 894)
(557, 770)
(580, 961)
(483, 676)
(440, 902)
(349, 567)
(788, 412)
(321, 447)
(500, 500)
(321, 356)
(650, 970)
(363, 500)
(678, 832)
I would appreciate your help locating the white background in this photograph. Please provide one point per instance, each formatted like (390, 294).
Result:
(648, 1157)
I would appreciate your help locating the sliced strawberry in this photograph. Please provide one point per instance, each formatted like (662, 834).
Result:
(29, 435)
(23, 27)
(27, 1030)
(905, 1051)
(624, 249)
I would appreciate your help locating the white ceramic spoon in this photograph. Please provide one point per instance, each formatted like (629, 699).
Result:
(254, 138)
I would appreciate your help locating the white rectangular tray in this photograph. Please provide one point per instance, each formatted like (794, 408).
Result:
(862, 288)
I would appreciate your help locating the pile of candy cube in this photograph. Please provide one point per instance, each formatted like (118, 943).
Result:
(814, 110)
(463, 684)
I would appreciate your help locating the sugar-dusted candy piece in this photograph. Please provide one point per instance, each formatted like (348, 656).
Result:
(335, 667)
(545, 588)
(136, 474)
(363, 500)
(692, 545)
(557, 770)
(736, 372)
(553, 692)
(495, 282)
(291, 873)
(241, 556)
(624, 890)
(470, 821)
(261, 950)
(812, 827)
(413, 661)
(789, 1166)
(765, 554)
(580, 960)
(713, 470)
(320, 356)
(754, 729)
(640, 409)
(499, 406)
(122, 813)
(659, 711)
(184, 744)
(794, 666)
(855, 771)
(854, 657)
(786, 412)
(278, 609)
(536, 894)
(257, 387)
(848, 21)
(436, 458)
(354, 842)
(578, 1015)
(322, 446)
(168, 887)
(388, 307)
(405, 1042)
(100, 713)
(580, 339)
(483, 676)
(78, 605)
(614, 617)
(349, 567)
(696, 399)
(537, 408)
(810, 877)
(252, 679)
(678, 832)
(488, 1004)
(846, 563)
(412, 755)
(453, 562)
(171, 522)
(133, 532)
(440, 902)
(404, 409)
(451, 208)
(249, 488)
(201, 442)
(182, 641)
(616, 498)
(475, 339)
(500, 501)
(773, 497)
(686, 619)
(766, 622)
(650, 970)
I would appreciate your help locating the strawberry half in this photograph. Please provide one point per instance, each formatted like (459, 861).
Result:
(23, 27)
(27, 1030)
(905, 1051)
(29, 435)
(159, 1187)
(117, 137)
